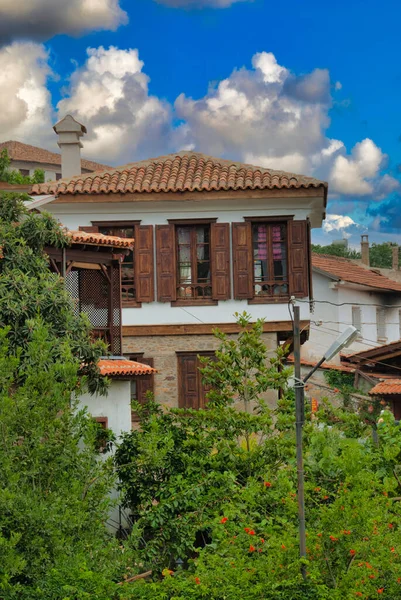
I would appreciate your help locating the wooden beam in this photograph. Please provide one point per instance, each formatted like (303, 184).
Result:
(202, 328)
(190, 196)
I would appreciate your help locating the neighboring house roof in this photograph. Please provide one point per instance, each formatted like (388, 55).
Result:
(343, 269)
(380, 353)
(27, 153)
(99, 239)
(180, 172)
(325, 365)
(123, 368)
(385, 388)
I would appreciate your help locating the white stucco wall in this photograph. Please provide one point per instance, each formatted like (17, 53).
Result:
(158, 213)
(336, 318)
(116, 406)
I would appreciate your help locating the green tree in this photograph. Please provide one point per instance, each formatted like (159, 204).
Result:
(13, 176)
(228, 511)
(381, 255)
(54, 490)
(336, 250)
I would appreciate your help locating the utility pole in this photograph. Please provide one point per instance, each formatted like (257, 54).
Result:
(299, 422)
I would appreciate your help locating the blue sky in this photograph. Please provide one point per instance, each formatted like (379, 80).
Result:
(304, 86)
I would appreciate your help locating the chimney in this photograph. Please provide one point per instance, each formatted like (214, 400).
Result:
(365, 250)
(394, 251)
(69, 132)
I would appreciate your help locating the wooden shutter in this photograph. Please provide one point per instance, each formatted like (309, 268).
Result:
(145, 383)
(220, 251)
(298, 258)
(188, 381)
(242, 259)
(310, 278)
(166, 263)
(144, 274)
(93, 229)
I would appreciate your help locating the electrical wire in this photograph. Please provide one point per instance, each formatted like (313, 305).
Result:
(314, 301)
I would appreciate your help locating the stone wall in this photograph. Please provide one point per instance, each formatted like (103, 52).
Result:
(163, 350)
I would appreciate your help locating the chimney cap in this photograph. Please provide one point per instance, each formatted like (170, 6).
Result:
(364, 238)
(69, 125)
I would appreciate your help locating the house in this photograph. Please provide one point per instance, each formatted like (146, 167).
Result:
(212, 237)
(347, 293)
(26, 159)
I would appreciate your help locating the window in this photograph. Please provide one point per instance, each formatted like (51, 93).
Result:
(381, 324)
(58, 176)
(137, 269)
(141, 384)
(270, 259)
(270, 270)
(357, 319)
(128, 291)
(24, 172)
(193, 261)
(191, 390)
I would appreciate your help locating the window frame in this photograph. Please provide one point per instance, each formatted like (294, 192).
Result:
(381, 327)
(270, 221)
(193, 223)
(125, 303)
(357, 320)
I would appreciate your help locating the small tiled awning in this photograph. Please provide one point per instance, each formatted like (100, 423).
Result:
(325, 365)
(99, 239)
(384, 388)
(123, 368)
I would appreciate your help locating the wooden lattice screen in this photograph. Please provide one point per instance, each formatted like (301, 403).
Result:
(97, 293)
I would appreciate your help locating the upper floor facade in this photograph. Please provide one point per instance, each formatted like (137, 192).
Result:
(212, 237)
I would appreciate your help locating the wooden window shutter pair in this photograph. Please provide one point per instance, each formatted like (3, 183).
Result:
(166, 261)
(298, 259)
(144, 264)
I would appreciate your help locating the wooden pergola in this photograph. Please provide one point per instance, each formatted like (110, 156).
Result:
(91, 268)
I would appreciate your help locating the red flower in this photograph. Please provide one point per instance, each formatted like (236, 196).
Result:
(390, 525)
(317, 489)
(246, 529)
(251, 532)
(267, 484)
(352, 552)
(333, 539)
(380, 590)
(347, 532)
(224, 520)
(319, 535)
(197, 580)
(282, 547)
(325, 497)
(392, 549)
(372, 576)
(252, 548)
(262, 541)
(358, 593)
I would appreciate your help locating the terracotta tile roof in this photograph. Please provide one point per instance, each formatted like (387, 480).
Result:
(123, 368)
(27, 153)
(99, 239)
(392, 386)
(346, 270)
(325, 365)
(180, 172)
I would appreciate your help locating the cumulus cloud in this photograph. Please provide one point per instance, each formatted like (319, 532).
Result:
(25, 110)
(41, 19)
(198, 3)
(337, 223)
(110, 95)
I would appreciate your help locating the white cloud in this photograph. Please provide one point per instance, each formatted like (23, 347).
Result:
(41, 19)
(337, 223)
(109, 94)
(354, 174)
(198, 3)
(338, 85)
(25, 107)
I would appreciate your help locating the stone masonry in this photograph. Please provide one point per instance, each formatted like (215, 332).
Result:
(163, 350)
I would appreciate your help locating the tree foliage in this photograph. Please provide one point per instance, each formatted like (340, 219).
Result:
(15, 177)
(217, 518)
(380, 255)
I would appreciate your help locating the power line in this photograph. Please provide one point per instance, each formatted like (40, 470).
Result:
(314, 301)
